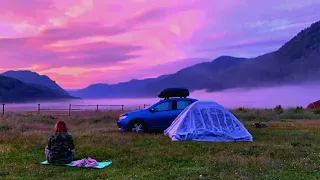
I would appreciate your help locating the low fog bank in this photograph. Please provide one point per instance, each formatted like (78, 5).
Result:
(287, 96)
(84, 104)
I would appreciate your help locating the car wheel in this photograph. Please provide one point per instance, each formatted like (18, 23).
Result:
(137, 127)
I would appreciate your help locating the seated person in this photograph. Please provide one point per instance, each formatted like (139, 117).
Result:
(60, 149)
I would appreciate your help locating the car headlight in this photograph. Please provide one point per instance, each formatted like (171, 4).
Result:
(122, 117)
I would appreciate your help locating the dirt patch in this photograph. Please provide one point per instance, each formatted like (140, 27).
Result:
(310, 123)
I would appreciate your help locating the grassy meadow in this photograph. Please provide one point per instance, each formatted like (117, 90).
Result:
(288, 149)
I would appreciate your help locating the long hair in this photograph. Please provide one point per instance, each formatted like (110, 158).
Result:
(61, 126)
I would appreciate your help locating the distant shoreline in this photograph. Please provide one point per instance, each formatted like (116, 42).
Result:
(40, 101)
(93, 109)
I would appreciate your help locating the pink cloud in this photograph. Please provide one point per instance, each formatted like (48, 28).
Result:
(30, 51)
(247, 43)
(75, 31)
(217, 35)
(111, 41)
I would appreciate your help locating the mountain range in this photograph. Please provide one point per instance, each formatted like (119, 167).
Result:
(27, 76)
(13, 90)
(297, 61)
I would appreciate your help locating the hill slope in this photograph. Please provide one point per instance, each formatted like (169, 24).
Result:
(150, 87)
(125, 89)
(297, 61)
(35, 78)
(194, 77)
(13, 90)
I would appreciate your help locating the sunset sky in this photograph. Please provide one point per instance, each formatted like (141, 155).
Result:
(80, 42)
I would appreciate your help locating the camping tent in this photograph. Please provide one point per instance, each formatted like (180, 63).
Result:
(207, 121)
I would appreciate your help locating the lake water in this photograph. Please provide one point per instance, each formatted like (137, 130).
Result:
(252, 98)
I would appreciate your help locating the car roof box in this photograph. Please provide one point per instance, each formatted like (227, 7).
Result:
(174, 92)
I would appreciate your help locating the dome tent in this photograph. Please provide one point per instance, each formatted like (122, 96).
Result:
(207, 121)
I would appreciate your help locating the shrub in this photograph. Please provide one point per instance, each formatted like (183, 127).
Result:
(242, 109)
(298, 109)
(278, 109)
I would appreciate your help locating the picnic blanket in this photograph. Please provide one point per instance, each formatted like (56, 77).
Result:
(86, 162)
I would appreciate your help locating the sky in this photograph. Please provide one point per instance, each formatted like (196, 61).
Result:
(81, 42)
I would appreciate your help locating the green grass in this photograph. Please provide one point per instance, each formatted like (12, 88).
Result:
(288, 149)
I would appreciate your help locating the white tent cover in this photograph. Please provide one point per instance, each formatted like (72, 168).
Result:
(207, 121)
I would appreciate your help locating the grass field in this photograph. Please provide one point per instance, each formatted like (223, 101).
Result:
(288, 149)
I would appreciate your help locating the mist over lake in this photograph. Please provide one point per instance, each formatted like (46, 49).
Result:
(253, 98)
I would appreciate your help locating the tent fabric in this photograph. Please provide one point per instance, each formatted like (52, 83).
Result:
(207, 121)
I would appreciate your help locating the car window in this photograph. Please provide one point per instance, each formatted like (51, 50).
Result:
(182, 104)
(165, 106)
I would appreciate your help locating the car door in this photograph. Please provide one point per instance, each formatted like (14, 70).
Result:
(163, 113)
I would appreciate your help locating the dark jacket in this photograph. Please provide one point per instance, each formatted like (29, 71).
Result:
(60, 146)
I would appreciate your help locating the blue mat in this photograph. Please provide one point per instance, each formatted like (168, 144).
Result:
(99, 166)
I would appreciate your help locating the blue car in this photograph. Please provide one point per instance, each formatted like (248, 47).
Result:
(156, 117)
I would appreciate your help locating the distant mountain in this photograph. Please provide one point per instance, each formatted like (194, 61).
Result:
(150, 87)
(34, 78)
(297, 61)
(125, 89)
(13, 90)
(194, 77)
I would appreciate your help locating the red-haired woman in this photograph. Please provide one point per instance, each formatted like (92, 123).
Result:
(60, 149)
